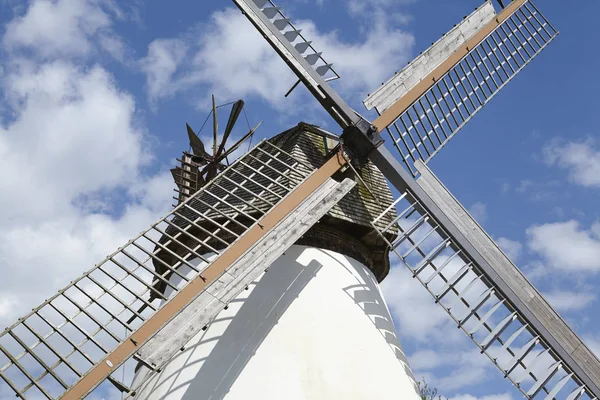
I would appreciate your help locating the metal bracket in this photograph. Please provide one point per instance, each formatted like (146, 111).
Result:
(360, 139)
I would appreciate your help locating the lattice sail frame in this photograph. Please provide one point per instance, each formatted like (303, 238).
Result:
(494, 324)
(438, 114)
(49, 350)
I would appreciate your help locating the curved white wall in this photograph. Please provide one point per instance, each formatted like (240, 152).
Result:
(314, 326)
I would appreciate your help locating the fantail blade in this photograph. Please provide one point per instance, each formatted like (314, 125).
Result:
(196, 144)
(233, 116)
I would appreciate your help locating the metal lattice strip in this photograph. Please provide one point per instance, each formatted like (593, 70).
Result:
(49, 350)
(477, 307)
(454, 99)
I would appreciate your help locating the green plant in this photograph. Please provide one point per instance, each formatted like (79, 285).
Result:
(427, 392)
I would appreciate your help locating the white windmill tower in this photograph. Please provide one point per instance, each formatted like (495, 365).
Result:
(189, 299)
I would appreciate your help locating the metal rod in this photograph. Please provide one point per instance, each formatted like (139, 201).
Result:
(279, 197)
(189, 249)
(208, 233)
(139, 279)
(55, 352)
(274, 181)
(249, 204)
(237, 211)
(205, 216)
(255, 195)
(25, 372)
(126, 307)
(141, 264)
(138, 296)
(39, 360)
(169, 267)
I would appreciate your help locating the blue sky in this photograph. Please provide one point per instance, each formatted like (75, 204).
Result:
(96, 95)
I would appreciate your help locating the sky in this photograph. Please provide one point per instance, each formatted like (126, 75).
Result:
(95, 95)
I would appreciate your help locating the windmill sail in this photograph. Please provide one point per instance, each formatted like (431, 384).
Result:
(422, 65)
(78, 338)
(488, 297)
(422, 108)
(552, 356)
(299, 54)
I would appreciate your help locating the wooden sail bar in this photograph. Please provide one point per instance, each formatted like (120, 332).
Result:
(75, 340)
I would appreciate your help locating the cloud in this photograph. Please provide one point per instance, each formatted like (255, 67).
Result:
(479, 212)
(230, 57)
(74, 155)
(539, 191)
(593, 343)
(463, 376)
(566, 245)
(569, 301)
(76, 132)
(164, 56)
(504, 396)
(379, 8)
(451, 370)
(413, 309)
(64, 28)
(511, 248)
(581, 160)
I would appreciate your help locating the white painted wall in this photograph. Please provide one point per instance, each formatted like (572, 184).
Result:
(314, 326)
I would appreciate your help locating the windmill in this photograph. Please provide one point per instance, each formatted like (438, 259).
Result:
(210, 249)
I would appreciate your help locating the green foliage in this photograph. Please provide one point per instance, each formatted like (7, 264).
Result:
(427, 392)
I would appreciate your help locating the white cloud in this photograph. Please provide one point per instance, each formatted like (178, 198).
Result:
(594, 344)
(426, 360)
(72, 155)
(479, 212)
(414, 310)
(450, 370)
(539, 191)
(75, 134)
(566, 245)
(581, 160)
(164, 56)
(73, 142)
(569, 301)
(378, 7)
(63, 28)
(463, 376)
(504, 396)
(511, 248)
(230, 57)
(524, 185)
